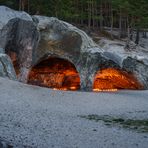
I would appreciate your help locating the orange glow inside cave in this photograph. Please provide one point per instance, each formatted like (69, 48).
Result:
(55, 73)
(112, 79)
(61, 74)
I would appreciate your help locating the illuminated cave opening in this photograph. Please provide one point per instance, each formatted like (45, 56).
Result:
(56, 73)
(112, 79)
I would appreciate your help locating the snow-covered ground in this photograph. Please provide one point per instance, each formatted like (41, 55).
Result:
(39, 117)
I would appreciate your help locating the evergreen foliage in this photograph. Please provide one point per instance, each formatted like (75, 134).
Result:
(127, 15)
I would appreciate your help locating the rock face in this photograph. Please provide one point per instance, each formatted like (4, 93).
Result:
(4, 144)
(6, 67)
(18, 34)
(139, 68)
(60, 39)
(37, 38)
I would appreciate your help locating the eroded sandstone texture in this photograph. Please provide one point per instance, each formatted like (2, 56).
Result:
(29, 40)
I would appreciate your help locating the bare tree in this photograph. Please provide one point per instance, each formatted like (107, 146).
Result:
(23, 4)
(101, 15)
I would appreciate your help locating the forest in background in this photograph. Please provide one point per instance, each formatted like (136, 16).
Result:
(127, 16)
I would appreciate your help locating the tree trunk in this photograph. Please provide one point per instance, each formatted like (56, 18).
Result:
(131, 33)
(101, 15)
(128, 28)
(81, 21)
(28, 6)
(131, 29)
(89, 14)
(144, 34)
(23, 5)
(112, 23)
(128, 34)
(20, 5)
(120, 24)
(93, 13)
(137, 36)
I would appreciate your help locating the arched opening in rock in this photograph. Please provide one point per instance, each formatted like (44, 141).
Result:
(55, 73)
(112, 79)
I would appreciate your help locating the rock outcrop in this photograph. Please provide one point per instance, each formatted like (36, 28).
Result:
(6, 66)
(18, 34)
(5, 144)
(61, 39)
(38, 37)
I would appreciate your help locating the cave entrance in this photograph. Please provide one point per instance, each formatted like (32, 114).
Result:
(55, 73)
(112, 79)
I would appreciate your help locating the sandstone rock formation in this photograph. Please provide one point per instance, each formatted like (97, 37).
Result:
(6, 67)
(38, 37)
(18, 34)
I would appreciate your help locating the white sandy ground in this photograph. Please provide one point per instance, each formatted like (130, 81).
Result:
(39, 117)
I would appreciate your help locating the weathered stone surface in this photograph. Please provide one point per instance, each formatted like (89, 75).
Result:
(4, 144)
(6, 67)
(37, 38)
(138, 68)
(7, 14)
(18, 34)
(60, 39)
(2, 50)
